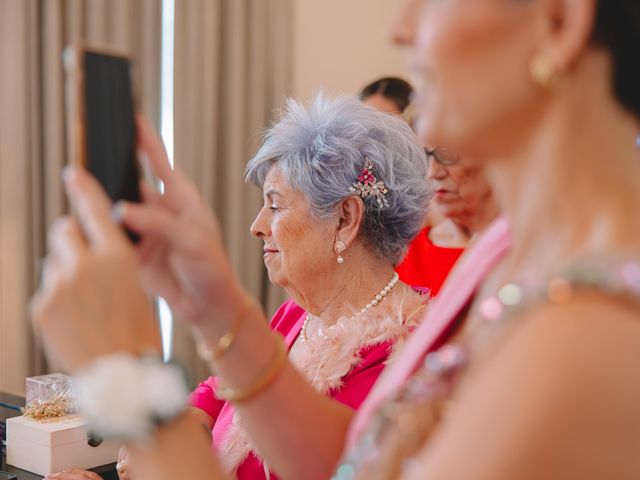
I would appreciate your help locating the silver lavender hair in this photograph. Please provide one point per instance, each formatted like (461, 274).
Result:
(321, 149)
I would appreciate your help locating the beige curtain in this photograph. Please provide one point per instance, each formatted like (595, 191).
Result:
(33, 34)
(232, 70)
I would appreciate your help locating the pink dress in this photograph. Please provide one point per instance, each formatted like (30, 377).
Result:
(235, 448)
(434, 329)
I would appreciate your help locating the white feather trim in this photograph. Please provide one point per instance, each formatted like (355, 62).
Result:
(331, 354)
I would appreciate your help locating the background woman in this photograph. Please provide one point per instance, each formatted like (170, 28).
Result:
(388, 94)
(464, 201)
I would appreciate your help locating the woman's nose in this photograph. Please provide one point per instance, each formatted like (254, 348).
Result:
(260, 227)
(435, 171)
(403, 31)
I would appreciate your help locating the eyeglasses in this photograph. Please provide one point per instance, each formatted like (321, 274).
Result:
(442, 156)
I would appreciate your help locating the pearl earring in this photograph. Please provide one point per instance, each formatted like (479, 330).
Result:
(340, 247)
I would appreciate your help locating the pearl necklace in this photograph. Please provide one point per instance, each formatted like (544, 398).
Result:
(376, 301)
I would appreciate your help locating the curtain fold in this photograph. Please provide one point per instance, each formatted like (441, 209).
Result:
(33, 148)
(232, 70)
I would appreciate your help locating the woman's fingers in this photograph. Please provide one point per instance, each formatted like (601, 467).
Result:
(67, 245)
(50, 271)
(180, 193)
(123, 464)
(92, 207)
(90, 301)
(151, 144)
(155, 221)
(121, 468)
(73, 474)
(66, 241)
(149, 194)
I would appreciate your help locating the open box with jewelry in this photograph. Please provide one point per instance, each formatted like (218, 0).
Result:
(50, 436)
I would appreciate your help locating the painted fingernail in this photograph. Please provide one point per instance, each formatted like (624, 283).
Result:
(68, 172)
(117, 212)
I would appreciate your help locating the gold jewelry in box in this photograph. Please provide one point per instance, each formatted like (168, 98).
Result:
(262, 383)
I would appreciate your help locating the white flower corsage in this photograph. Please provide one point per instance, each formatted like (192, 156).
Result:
(125, 397)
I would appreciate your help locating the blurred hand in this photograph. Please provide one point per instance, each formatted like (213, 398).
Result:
(123, 464)
(90, 301)
(74, 474)
(181, 256)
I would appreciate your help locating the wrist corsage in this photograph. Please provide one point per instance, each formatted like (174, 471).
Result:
(126, 397)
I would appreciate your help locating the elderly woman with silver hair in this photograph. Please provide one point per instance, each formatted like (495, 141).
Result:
(344, 194)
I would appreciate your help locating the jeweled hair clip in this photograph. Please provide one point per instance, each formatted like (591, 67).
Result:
(368, 185)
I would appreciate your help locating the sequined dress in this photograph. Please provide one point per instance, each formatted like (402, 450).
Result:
(404, 424)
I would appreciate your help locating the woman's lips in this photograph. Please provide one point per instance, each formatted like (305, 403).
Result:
(442, 194)
(269, 251)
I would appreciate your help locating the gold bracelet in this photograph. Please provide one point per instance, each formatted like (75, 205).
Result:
(209, 355)
(264, 381)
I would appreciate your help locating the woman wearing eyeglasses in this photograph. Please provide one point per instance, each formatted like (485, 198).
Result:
(463, 198)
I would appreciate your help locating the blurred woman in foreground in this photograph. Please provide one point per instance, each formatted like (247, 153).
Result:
(544, 94)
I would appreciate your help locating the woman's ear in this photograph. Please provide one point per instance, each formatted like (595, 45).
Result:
(350, 218)
(568, 27)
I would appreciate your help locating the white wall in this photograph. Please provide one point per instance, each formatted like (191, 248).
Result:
(341, 45)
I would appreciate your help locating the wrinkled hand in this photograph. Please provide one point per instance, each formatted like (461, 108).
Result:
(181, 256)
(73, 474)
(90, 301)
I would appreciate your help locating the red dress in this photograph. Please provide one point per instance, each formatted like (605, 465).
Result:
(427, 265)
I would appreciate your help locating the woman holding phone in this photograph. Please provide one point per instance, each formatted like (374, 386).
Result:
(544, 94)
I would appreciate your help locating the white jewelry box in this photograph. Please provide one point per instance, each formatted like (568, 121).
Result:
(47, 446)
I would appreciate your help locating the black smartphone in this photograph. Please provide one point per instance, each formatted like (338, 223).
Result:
(101, 119)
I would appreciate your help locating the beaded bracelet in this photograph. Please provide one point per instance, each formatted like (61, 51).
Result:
(264, 381)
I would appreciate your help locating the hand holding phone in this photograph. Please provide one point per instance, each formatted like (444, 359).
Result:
(101, 120)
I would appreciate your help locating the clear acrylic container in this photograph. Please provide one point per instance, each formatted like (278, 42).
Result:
(49, 396)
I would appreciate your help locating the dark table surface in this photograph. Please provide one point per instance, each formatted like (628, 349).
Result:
(8, 408)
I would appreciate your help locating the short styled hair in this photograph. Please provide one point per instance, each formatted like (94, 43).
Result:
(321, 147)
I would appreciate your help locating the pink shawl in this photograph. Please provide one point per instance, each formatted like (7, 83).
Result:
(463, 282)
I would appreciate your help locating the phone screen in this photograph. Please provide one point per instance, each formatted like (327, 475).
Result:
(110, 129)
